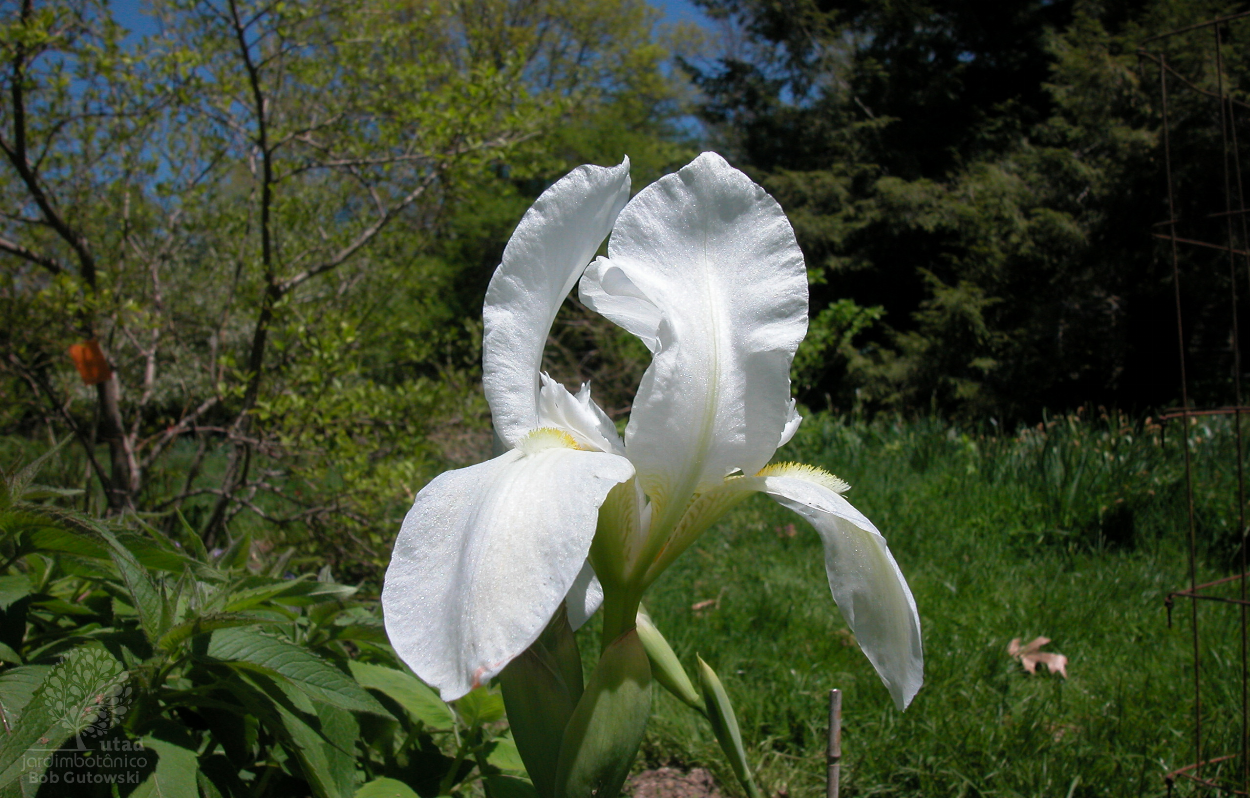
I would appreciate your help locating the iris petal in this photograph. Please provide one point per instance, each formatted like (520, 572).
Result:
(547, 253)
(866, 582)
(577, 415)
(486, 555)
(793, 420)
(704, 267)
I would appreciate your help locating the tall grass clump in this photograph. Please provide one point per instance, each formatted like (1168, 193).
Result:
(1074, 529)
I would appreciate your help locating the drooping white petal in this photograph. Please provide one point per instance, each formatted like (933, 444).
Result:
(486, 555)
(546, 255)
(713, 253)
(792, 424)
(866, 582)
(584, 597)
(577, 415)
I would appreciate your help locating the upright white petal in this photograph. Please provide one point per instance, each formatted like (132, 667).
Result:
(547, 253)
(486, 555)
(866, 582)
(704, 267)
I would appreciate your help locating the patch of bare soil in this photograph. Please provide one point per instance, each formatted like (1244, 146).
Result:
(672, 783)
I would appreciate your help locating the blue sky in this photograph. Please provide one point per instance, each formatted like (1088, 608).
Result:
(680, 11)
(130, 13)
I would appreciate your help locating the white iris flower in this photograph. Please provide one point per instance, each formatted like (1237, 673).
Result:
(704, 268)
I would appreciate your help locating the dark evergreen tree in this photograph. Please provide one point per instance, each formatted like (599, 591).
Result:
(983, 178)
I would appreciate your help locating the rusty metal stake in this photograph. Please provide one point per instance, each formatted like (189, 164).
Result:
(834, 755)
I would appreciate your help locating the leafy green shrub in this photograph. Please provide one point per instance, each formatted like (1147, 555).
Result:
(138, 661)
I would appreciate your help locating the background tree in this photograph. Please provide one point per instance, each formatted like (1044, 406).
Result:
(259, 220)
(983, 179)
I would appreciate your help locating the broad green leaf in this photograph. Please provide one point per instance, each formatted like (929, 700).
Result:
(38, 493)
(500, 786)
(17, 686)
(207, 623)
(13, 588)
(218, 778)
(725, 725)
(561, 645)
(276, 657)
(385, 788)
(481, 706)
(323, 591)
(257, 590)
(23, 522)
(144, 594)
(325, 745)
(321, 737)
(540, 703)
(13, 626)
(193, 540)
(152, 555)
(58, 606)
(181, 599)
(602, 738)
(207, 787)
(504, 754)
(362, 632)
(177, 765)
(414, 695)
(63, 541)
(236, 732)
(7, 654)
(98, 571)
(237, 553)
(17, 484)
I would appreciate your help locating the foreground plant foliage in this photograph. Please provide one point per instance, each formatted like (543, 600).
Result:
(178, 671)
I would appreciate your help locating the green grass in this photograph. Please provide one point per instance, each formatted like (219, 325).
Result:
(999, 538)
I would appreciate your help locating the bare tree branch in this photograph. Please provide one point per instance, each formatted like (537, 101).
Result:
(13, 248)
(365, 236)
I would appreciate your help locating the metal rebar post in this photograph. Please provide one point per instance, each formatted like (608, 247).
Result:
(1185, 418)
(834, 755)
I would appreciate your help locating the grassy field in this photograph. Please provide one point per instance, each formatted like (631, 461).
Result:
(1074, 531)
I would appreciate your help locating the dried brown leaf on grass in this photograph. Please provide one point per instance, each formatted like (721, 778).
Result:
(708, 604)
(1030, 657)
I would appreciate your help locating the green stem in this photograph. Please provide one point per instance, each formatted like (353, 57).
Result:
(444, 787)
(620, 613)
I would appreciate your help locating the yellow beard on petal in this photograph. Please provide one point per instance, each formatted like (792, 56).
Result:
(548, 438)
(802, 471)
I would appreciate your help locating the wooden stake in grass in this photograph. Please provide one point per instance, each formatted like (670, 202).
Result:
(834, 755)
